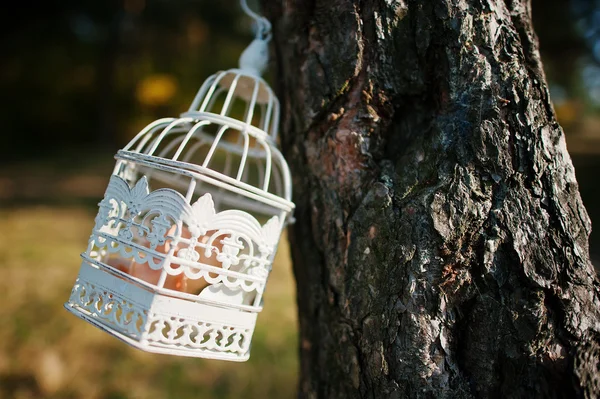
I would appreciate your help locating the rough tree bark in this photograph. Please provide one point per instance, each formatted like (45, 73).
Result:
(440, 248)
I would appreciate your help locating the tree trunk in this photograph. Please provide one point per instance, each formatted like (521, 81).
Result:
(440, 248)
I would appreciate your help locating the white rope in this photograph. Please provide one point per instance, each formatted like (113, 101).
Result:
(264, 26)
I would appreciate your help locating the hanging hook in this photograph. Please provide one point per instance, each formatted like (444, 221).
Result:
(263, 24)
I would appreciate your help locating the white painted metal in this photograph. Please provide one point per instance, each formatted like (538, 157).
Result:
(185, 236)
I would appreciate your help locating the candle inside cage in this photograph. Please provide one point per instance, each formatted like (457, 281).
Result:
(180, 282)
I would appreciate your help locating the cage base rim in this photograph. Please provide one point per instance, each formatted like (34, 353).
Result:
(73, 309)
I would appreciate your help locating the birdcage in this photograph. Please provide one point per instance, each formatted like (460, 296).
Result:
(186, 233)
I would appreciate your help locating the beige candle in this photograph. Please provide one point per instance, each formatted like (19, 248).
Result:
(180, 282)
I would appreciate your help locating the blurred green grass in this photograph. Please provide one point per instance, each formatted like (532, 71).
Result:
(47, 353)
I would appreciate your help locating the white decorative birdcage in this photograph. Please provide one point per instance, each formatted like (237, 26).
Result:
(186, 234)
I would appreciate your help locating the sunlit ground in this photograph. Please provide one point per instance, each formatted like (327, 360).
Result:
(45, 352)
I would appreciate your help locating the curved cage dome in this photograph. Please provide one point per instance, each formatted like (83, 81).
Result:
(228, 134)
(226, 92)
(189, 225)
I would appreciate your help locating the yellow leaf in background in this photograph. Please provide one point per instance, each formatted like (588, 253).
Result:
(156, 89)
(567, 112)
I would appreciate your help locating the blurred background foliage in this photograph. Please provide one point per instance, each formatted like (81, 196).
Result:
(88, 73)
(78, 79)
